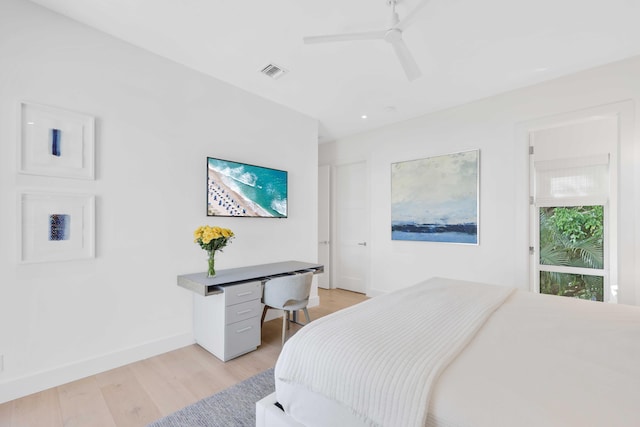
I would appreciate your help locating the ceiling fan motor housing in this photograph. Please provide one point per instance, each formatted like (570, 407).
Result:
(393, 35)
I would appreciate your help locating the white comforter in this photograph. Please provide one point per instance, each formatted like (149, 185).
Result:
(381, 358)
(543, 360)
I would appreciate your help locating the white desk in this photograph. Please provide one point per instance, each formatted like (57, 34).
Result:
(227, 307)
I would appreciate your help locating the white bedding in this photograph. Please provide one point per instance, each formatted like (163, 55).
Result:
(381, 358)
(537, 361)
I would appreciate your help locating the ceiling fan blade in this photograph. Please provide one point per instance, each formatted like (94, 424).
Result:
(409, 64)
(406, 21)
(367, 35)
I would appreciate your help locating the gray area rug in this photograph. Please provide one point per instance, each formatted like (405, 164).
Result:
(235, 406)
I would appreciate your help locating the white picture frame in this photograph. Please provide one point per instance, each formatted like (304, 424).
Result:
(56, 227)
(56, 142)
(437, 199)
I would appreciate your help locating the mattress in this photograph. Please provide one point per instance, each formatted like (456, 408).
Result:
(538, 360)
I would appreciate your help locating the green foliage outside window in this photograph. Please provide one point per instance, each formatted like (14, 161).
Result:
(572, 285)
(572, 236)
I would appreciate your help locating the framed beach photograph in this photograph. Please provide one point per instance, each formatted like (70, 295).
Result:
(56, 227)
(239, 189)
(56, 142)
(436, 199)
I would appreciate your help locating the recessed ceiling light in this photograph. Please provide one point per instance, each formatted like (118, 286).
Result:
(364, 116)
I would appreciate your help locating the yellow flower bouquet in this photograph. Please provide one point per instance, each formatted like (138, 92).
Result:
(212, 239)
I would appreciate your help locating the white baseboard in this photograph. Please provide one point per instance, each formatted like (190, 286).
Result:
(375, 292)
(33, 383)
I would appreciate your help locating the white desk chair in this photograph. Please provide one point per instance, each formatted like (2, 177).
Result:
(289, 293)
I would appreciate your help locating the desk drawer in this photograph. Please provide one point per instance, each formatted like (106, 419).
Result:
(242, 311)
(242, 337)
(241, 293)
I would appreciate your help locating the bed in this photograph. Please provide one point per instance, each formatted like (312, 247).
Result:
(452, 353)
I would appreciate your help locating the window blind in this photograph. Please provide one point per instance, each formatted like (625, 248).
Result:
(580, 181)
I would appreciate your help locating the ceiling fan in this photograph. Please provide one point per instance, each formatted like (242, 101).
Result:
(391, 35)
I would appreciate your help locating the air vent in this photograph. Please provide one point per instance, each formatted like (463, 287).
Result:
(273, 71)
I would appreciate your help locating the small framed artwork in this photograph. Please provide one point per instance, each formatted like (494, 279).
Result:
(436, 199)
(56, 142)
(56, 227)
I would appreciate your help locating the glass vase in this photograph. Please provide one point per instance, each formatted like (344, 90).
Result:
(211, 272)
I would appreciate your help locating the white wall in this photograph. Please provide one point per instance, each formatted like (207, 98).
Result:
(156, 123)
(493, 125)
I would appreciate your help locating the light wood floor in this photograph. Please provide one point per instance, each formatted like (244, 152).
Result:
(140, 393)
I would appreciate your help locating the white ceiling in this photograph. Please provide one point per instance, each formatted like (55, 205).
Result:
(466, 49)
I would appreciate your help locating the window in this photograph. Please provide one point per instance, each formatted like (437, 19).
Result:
(570, 198)
(571, 255)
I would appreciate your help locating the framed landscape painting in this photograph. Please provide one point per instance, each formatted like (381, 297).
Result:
(436, 199)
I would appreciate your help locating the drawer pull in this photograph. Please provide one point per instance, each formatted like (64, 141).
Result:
(244, 294)
(244, 329)
(240, 313)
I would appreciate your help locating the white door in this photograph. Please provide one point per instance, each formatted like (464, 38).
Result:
(324, 212)
(352, 223)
